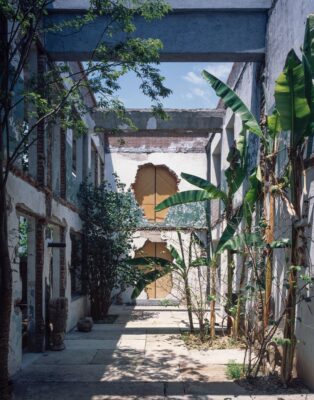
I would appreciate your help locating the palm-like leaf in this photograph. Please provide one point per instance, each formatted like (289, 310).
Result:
(147, 278)
(233, 101)
(189, 196)
(176, 256)
(273, 124)
(252, 195)
(290, 98)
(308, 63)
(242, 241)
(213, 190)
(230, 229)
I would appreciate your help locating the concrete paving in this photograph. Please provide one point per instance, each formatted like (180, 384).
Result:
(139, 356)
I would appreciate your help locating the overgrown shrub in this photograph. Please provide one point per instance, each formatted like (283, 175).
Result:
(109, 216)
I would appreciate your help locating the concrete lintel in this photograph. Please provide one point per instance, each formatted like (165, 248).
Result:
(190, 35)
(188, 121)
(77, 5)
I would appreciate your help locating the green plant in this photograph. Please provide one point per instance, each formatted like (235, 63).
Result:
(234, 370)
(109, 220)
(182, 266)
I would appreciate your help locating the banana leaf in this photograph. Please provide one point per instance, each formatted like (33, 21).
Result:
(206, 185)
(308, 64)
(290, 98)
(252, 195)
(233, 101)
(231, 228)
(176, 255)
(189, 196)
(148, 278)
(273, 124)
(239, 242)
(237, 158)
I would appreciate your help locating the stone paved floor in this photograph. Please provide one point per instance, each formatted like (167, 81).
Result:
(138, 357)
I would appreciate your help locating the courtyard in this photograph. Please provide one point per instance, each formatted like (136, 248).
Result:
(139, 356)
(156, 199)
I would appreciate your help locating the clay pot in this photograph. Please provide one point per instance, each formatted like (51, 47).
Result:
(85, 324)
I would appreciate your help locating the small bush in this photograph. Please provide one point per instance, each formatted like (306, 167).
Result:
(234, 370)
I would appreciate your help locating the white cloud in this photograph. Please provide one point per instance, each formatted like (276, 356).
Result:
(220, 70)
(194, 78)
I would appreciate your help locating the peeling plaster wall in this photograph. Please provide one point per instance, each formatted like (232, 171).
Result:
(170, 238)
(177, 155)
(126, 165)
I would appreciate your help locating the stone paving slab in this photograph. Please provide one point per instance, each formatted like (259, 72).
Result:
(90, 391)
(98, 335)
(90, 344)
(71, 357)
(126, 356)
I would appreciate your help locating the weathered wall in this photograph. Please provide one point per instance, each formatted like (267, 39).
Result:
(48, 199)
(175, 145)
(286, 31)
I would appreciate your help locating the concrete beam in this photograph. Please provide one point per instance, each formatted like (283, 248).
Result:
(188, 121)
(196, 30)
(71, 5)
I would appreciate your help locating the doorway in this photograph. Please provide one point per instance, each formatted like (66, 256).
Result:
(162, 287)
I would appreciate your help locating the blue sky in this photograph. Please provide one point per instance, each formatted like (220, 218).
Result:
(184, 79)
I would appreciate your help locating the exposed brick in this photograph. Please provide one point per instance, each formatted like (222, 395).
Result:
(39, 318)
(63, 169)
(147, 141)
(63, 272)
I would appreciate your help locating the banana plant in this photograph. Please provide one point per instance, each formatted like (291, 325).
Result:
(294, 95)
(179, 265)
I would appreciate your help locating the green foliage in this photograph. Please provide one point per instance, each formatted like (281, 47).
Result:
(233, 101)
(234, 370)
(109, 220)
(214, 192)
(189, 196)
(232, 226)
(291, 101)
(240, 243)
(23, 237)
(58, 92)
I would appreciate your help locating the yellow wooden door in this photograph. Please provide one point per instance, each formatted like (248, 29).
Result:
(162, 286)
(153, 185)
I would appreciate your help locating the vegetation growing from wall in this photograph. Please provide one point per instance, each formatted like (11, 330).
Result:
(109, 221)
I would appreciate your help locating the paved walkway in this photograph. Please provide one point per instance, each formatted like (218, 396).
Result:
(140, 356)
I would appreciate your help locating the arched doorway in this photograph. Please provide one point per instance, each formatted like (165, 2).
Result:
(162, 287)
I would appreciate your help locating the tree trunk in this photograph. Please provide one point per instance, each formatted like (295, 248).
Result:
(239, 320)
(5, 297)
(270, 165)
(297, 255)
(189, 303)
(100, 303)
(229, 291)
(213, 302)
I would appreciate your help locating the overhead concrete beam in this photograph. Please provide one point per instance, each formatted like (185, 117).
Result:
(71, 5)
(196, 30)
(188, 121)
